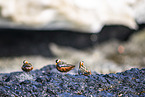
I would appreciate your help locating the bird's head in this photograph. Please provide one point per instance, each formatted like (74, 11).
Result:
(81, 64)
(25, 62)
(57, 61)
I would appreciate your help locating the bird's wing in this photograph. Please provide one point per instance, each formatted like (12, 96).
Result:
(64, 62)
(27, 65)
(83, 68)
(66, 65)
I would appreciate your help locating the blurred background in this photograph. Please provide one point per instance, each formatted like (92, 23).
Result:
(108, 35)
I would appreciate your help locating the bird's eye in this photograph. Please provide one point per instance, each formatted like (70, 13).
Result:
(58, 60)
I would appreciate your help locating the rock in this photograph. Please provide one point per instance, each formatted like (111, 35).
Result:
(128, 83)
(84, 16)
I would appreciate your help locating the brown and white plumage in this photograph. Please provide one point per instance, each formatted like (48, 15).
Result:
(83, 70)
(63, 66)
(27, 67)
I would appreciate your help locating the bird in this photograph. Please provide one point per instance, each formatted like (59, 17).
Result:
(63, 66)
(83, 70)
(27, 67)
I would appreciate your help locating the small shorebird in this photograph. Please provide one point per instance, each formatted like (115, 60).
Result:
(63, 66)
(27, 67)
(83, 70)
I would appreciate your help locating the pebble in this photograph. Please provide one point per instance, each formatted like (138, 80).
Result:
(44, 83)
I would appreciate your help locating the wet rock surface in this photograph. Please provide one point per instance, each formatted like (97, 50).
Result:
(48, 82)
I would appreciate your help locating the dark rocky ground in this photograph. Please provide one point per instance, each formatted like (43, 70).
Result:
(46, 82)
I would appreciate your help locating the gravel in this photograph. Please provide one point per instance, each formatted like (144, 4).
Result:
(47, 82)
